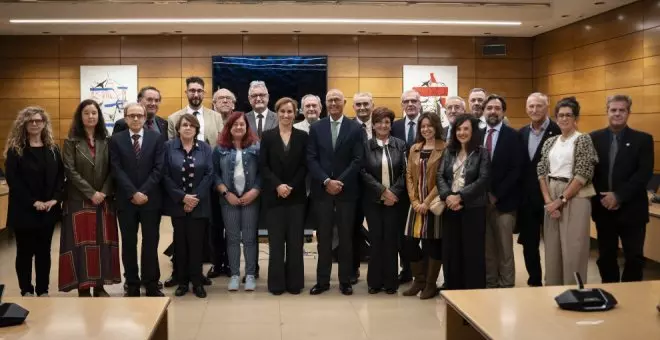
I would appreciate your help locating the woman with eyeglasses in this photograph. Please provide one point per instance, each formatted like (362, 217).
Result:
(565, 172)
(90, 222)
(35, 176)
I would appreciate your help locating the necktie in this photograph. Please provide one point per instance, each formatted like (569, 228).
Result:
(260, 125)
(410, 140)
(136, 145)
(196, 113)
(489, 142)
(335, 130)
(150, 124)
(614, 148)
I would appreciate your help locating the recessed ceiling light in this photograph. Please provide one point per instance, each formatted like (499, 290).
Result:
(587, 27)
(362, 31)
(599, 3)
(538, 26)
(296, 31)
(565, 16)
(178, 31)
(425, 32)
(620, 17)
(112, 32)
(45, 32)
(245, 31)
(268, 21)
(486, 33)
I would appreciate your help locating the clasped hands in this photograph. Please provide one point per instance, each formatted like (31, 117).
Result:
(553, 208)
(190, 202)
(98, 198)
(453, 202)
(139, 198)
(44, 206)
(334, 187)
(283, 190)
(246, 199)
(389, 198)
(609, 201)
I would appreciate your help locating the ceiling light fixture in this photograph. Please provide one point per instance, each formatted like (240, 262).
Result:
(269, 21)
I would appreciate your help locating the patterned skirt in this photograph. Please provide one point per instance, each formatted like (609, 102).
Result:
(420, 226)
(89, 246)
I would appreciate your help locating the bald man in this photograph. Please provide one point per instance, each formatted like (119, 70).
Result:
(334, 156)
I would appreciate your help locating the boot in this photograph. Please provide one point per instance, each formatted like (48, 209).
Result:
(419, 273)
(84, 293)
(433, 271)
(99, 291)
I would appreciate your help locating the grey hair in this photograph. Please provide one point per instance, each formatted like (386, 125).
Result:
(619, 98)
(310, 96)
(364, 94)
(233, 96)
(257, 83)
(456, 98)
(541, 96)
(131, 104)
(410, 91)
(478, 89)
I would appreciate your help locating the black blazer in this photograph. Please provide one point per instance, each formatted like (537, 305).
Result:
(24, 190)
(121, 125)
(132, 174)
(372, 168)
(529, 179)
(477, 177)
(342, 163)
(505, 169)
(173, 183)
(633, 169)
(279, 167)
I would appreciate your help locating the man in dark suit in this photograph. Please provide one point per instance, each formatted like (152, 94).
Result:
(406, 130)
(136, 158)
(621, 209)
(149, 97)
(503, 145)
(531, 211)
(454, 106)
(334, 156)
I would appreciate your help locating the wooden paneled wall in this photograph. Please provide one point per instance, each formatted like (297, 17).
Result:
(615, 52)
(44, 70)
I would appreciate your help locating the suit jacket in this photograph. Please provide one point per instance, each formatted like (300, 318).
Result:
(505, 169)
(121, 125)
(134, 174)
(372, 170)
(399, 131)
(532, 195)
(342, 163)
(477, 177)
(283, 167)
(268, 124)
(202, 180)
(633, 169)
(213, 124)
(86, 174)
(24, 189)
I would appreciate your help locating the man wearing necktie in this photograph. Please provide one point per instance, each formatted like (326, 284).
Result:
(334, 159)
(149, 97)
(505, 150)
(260, 118)
(405, 129)
(620, 209)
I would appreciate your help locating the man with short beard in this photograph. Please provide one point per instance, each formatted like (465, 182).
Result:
(311, 107)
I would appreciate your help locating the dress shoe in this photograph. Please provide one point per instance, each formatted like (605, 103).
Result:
(133, 291)
(318, 289)
(294, 291)
(160, 285)
(154, 293)
(171, 282)
(346, 288)
(355, 277)
(374, 290)
(100, 292)
(405, 276)
(213, 273)
(277, 292)
(84, 293)
(390, 291)
(181, 290)
(206, 281)
(199, 292)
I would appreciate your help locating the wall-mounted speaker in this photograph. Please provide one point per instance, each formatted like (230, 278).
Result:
(493, 50)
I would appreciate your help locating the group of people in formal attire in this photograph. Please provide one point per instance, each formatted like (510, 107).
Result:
(434, 197)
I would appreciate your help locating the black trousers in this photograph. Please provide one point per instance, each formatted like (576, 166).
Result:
(285, 241)
(33, 243)
(358, 236)
(129, 223)
(384, 235)
(341, 214)
(189, 235)
(464, 250)
(632, 241)
(217, 233)
(431, 248)
(530, 223)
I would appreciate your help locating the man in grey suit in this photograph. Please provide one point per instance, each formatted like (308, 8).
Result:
(260, 118)
(210, 121)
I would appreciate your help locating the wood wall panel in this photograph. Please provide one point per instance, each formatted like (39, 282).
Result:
(270, 45)
(98, 46)
(347, 85)
(168, 87)
(70, 67)
(516, 48)
(382, 87)
(384, 67)
(205, 46)
(16, 68)
(467, 68)
(198, 66)
(155, 67)
(13, 106)
(161, 46)
(343, 67)
(70, 88)
(504, 68)
(507, 87)
(446, 47)
(18, 46)
(388, 46)
(617, 52)
(330, 45)
(30, 88)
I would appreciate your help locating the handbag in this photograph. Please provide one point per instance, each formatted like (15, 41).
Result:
(437, 206)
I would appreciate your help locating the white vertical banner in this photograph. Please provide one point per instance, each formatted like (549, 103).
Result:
(434, 84)
(112, 87)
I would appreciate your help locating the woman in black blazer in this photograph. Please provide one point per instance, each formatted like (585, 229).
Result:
(188, 176)
(462, 182)
(384, 178)
(283, 169)
(35, 176)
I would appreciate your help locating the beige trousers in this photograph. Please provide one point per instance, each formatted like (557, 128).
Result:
(500, 264)
(566, 239)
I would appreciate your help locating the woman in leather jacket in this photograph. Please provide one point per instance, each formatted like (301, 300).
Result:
(383, 174)
(462, 181)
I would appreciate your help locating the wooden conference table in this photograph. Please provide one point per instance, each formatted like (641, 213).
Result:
(532, 313)
(68, 318)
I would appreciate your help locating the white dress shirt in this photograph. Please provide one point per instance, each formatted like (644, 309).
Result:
(200, 118)
(407, 127)
(302, 125)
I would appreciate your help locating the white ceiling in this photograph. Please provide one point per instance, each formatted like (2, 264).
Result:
(537, 16)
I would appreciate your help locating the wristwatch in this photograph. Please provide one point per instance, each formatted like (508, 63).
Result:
(563, 199)
(224, 193)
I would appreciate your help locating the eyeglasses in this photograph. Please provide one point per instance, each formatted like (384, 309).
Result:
(410, 101)
(258, 95)
(193, 91)
(334, 100)
(565, 115)
(219, 98)
(35, 121)
(135, 116)
(365, 104)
